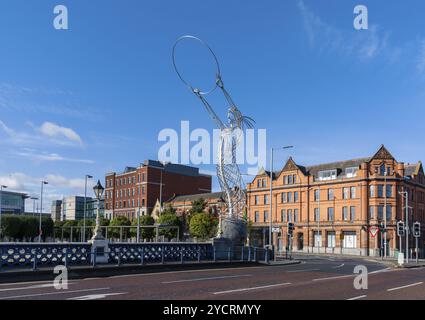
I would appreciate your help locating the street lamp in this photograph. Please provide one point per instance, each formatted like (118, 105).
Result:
(98, 191)
(85, 207)
(271, 191)
(1, 192)
(41, 209)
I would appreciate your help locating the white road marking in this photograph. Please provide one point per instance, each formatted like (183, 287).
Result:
(96, 296)
(305, 270)
(357, 298)
(38, 286)
(52, 293)
(21, 283)
(208, 278)
(340, 266)
(332, 278)
(406, 286)
(253, 288)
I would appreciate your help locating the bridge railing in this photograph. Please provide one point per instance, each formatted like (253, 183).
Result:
(38, 255)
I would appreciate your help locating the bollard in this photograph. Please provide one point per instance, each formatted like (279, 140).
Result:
(266, 257)
(214, 254)
(255, 254)
(162, 254)
(242, 254)
(34, 265)
(249, 254)
(142, 256)
(181, 255)
(199, 254)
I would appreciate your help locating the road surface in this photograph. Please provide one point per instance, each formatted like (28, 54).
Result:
(314, 278)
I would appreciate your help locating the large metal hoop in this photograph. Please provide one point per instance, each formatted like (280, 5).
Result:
(218, 75)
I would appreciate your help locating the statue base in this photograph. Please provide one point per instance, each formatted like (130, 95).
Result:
(100, 250)
(232, 233)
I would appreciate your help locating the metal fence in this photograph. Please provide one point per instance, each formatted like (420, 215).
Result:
(30, 255)
(44, 254)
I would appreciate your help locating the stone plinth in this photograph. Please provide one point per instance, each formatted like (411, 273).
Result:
(100, 250)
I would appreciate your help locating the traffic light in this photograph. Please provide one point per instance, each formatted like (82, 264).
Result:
(291, 228)
(417, 229)
(400, 229)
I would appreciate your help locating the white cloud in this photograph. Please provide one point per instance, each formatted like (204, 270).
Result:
(57, 187)
(34, 155)
(53, 130)
(48, 134)
(364, 45)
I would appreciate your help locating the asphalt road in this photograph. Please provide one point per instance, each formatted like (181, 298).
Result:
(315, 278)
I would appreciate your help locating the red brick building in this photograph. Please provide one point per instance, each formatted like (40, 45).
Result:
(215, 202)
(139, 188)
(334, 205)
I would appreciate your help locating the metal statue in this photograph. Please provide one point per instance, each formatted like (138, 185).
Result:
(228, 173)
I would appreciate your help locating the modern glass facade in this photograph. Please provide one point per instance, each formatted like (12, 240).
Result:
(13, 202)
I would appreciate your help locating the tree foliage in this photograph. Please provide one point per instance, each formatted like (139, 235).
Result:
(169, 220)
(145, 233)
(202, 225)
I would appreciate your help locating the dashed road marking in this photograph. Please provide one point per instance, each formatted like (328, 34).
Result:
(208, 278)
(51, 293)
(253, 288)
(406, 286)
(357, 298)
(96, 296)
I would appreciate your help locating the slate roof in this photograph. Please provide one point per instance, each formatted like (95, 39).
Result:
(193, 197)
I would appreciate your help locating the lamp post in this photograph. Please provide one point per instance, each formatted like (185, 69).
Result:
(41, 209)
(138, 224)
(271, 191)
(98, 191)
(85, 207)
(1, 193)
(405, 195)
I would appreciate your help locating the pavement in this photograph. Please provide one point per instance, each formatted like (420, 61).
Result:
(313, 277)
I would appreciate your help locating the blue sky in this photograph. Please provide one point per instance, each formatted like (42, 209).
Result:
(92, 99)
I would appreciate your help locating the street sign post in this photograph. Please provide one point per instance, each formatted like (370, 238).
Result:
(373, 231)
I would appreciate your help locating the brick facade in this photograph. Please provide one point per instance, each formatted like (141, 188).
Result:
(350, 197)
(140, 188)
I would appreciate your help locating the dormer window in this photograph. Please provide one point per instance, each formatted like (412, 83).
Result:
(351, 172)
(327, 175)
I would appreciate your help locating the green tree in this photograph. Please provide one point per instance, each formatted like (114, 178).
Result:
(29, 227)
(202, 225)
(198, 206)
(11, 226)
(119, 221)
(145, 233)
(169, 220)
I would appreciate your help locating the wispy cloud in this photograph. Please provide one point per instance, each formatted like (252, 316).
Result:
(53, 130)
(365, 44)
(48, 133)
(44, 156)
(41, 100)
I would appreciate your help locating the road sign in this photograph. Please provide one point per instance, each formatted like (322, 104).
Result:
(373, 231)
(275, 229)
